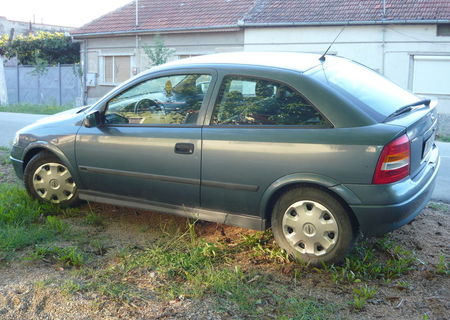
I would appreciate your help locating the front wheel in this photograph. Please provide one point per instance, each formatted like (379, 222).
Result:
(313, 226)
(47, 179)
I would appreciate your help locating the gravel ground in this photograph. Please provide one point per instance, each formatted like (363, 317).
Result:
(29, 290)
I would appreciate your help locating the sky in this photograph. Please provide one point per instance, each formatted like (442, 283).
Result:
(70, 13)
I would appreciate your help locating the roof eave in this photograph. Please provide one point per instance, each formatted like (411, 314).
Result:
(340, 23)
(154, 31)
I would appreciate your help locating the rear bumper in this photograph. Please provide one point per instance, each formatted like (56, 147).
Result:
(394, 205)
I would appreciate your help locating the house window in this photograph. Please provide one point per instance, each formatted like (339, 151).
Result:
(443, 30)
(117, 68)
(185, 56)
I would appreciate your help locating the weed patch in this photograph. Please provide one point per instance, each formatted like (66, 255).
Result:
(186, 266)
(66, 256)
(442, 266)
(22, 221)
(373, 260)
(57, 225)
(93, 219)
(361, 295)
(443, 138)
(438, 206)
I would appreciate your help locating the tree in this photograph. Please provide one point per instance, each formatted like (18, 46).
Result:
(42, 48)
(159, 54)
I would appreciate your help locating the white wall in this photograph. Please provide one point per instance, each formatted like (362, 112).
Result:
(182, 44)
(388, 49)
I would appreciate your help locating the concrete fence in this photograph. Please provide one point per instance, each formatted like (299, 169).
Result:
(60, 85)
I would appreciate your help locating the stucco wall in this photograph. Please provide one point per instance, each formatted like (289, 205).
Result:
(183, 44)
(388, 49)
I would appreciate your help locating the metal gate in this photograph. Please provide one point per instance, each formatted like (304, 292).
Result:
(60, 85)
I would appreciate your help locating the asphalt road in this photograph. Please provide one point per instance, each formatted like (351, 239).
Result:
(11, 122)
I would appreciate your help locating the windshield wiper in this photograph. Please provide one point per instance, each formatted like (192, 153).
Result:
(407, 108)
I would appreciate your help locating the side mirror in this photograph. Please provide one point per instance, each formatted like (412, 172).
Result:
(92, 119)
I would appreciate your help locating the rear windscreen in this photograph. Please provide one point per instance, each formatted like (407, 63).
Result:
(379, 96)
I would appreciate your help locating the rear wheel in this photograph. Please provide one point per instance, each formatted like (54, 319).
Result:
(312, 226)
(47, 179)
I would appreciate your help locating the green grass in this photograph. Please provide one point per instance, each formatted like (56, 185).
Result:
(4, 155)
(66, 256)
(439, 206)
(36, 109)
(361, 295)
(373, 260)
(25, 222)
(442, 266)
(443, 138)
(186, 266)
(93, 219)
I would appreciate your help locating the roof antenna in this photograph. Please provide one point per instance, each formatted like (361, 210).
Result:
(322, 58)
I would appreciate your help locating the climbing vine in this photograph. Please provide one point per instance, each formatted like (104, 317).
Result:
(41, 48)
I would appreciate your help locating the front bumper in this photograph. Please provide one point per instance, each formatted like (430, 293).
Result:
(18, 166)
(396, 204)
(17, 163)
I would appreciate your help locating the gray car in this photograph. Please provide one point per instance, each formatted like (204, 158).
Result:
(317, 149)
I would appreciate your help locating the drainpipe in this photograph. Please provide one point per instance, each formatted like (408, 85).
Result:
(383, 40)
(383, 48)
(84, 90)
(137, 13)
(85, 70)
(137, 59)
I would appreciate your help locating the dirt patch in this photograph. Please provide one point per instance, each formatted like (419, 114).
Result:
(7, 174)
(39, 290)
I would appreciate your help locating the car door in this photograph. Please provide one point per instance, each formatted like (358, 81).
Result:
(257, 131)
(149, 144)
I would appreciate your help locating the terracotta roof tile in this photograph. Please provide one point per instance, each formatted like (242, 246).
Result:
(166, 15)
(326, 11)
(170, 14)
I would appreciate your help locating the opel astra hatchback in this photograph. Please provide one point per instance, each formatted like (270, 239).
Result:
(317, 149)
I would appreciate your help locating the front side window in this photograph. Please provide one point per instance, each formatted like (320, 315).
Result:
(252, 101)
(169, 100)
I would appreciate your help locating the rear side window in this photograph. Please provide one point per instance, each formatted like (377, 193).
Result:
(379, 96)
(252, 101)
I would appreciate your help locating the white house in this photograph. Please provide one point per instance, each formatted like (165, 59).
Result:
(406, 40)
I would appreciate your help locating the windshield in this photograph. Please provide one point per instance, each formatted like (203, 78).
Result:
(379, 96)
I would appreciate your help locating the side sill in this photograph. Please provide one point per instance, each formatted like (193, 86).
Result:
(244, 221)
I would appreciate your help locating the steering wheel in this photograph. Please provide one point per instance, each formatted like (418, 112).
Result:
(147, 104)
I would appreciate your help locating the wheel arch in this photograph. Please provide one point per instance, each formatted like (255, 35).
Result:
(325, 184)
(43, 146)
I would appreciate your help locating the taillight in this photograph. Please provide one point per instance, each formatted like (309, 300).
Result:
(394, 162)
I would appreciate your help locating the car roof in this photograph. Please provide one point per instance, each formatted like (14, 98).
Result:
(284, 60)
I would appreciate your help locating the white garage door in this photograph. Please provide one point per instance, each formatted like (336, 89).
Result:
(431, 75)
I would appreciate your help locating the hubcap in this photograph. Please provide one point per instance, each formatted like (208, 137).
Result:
(53, 182)
(310, 228)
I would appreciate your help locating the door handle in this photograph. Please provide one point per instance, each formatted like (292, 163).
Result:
(184, 148)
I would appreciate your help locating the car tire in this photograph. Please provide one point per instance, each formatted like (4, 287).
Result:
(47, 179)
(313, 226)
